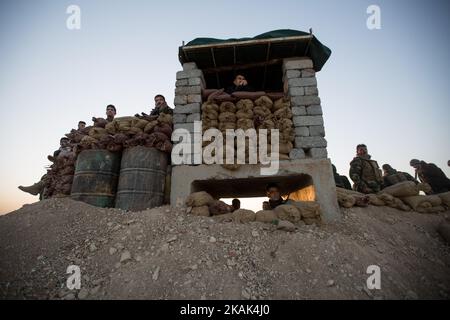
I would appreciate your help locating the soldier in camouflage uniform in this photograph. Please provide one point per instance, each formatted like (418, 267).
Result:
(392, 176)
(364, 172)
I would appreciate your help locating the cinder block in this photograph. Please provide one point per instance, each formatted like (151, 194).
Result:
(180, 100)
(196, 73)
(307, 73)
(181, 83)
(314, 110)
(318, 153)
(305, 100)
(194, 98)
(302, 131)
(193, 117)
(299, 111)
(292, 74)
(302, 82)
(179, 118)
(188, 66)
(296, 91)
(186, 90)
(311, 91)
(297, 154)
(188, 108)
(317, 131)
(297, 63)
(310, 142)
(305, 121)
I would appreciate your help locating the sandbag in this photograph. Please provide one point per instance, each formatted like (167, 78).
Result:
(209, 123)
(112, 127)
(283, 124)
(243, 215)
(139, 123)
(227, 117)
(288, 212)
(246, 104)
(402, 189)
(149, 127)
(250, 95)
(202, 211)
(97, 133)
(261, 111)
(209, 106)
(165, 118)
(285, 147)
(374, 200)
(266, 216)
(227, 107)
(275, 95)
(244, 114)
(416, 202)
(308, 209)
(265, 102)
(198, 199)
(283, 113)
(210, 114)
(346, 200)
(280, 104)
(164, 128)
(310, 221)
(218, 207)
(227, 125)
(445, 197)
(244, 124)
(283, 156)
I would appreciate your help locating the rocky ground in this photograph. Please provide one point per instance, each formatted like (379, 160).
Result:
(163, 253)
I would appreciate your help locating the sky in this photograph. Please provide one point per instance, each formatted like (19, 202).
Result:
(387, 88)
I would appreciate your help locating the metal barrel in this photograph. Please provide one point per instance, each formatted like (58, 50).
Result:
(96, 177)
(142, 179)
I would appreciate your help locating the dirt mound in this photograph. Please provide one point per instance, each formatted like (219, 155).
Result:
(163, 253)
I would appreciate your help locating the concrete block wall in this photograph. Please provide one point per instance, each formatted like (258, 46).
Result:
(188, 99)
(300, 83)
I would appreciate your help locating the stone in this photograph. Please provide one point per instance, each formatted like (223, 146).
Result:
(297, 63)
(305, 100)
(156, 274)
(187, 66)
(302, 82)
(196, 73)
(302, 131)
(196, 82)
(297, 154)
(180, 100)
(194, 98)
(314, 110)
(212, 240)
(318, 153)
(187, 126)
(182, 83)
(317, 131)
(125, 256)
(193, 117)
(292, 74)
(285, 225)
(311, 91)
(188, 90)
(307, 73)
(299, 111)
(83, 293)
(300, 121)
(188, 108)
(330, 283)
(112, 250)
(310, 142)
(179, 118)
(296, 91)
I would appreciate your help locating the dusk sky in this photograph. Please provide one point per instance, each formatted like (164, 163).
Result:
(387, 88)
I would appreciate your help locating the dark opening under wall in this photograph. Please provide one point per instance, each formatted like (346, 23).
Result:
(251, 187)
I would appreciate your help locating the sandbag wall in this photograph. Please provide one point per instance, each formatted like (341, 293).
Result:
(403, 196)
(262, 113)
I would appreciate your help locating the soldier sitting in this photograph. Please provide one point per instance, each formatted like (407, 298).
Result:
(364, 172)
(339, 180)
(431, 174)
(392, 176)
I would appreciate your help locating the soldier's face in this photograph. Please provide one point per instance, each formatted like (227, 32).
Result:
(273, 194)
(361, 151)
(110, 112)
(160, 101)
(81, 126)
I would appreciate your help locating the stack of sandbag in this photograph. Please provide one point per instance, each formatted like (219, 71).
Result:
(282, 118)
(445, 197)
(238, 216)
(128, 132)
(425, 204)
(218, 207)
(262, 113)
(198, 203)
(59, 177)
(349, 198)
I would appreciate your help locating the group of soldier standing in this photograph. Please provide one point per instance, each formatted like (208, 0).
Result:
(367, 176)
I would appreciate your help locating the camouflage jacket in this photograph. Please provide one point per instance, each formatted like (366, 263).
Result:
(366, 175)
(162, 109)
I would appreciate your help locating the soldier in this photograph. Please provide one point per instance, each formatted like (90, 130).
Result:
(364, 172)
(340, 181)
(81, 125)
(235, 204)
(392, 176)
(431, 174)
(239, 84)
(160, 106)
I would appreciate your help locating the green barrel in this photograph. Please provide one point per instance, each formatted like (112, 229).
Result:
(142, 179)
(96, 176)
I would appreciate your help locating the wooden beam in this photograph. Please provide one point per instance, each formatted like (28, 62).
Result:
(243, 66)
